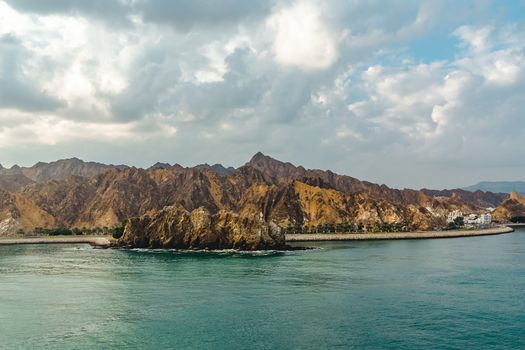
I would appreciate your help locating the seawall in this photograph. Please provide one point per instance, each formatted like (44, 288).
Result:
(305, 237)
(102, 242)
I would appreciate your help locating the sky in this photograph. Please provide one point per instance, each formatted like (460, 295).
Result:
(406, 93)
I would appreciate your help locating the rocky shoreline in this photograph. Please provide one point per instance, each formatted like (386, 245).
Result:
(396, 235)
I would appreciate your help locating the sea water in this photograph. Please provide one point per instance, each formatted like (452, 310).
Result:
(415, 294)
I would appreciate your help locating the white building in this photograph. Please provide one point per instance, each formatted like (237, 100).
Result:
(480, 220)
(453, 215)
(471, 219)
(485, 219)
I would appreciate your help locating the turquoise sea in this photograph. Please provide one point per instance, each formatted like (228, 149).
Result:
(429, 294)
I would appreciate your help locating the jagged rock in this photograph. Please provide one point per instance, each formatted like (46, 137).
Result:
(175, 227)
(9, 227)
(511, 208)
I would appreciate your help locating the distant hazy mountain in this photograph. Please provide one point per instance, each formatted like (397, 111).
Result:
(498, 187)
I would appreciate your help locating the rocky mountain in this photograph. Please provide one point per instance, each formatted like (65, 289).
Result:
(218, 168)
(17, 212)
(94, 195)
(59, 170)
(477, 198)
(282, 172)
(13, 181)
(175, 227)
(498, 186)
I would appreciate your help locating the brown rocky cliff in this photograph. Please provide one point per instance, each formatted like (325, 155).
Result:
(20, 212)
(511, 208)
(175, 227)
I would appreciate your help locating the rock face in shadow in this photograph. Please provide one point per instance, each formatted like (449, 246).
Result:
(175, 227)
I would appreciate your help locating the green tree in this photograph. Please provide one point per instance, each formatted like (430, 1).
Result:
(118, 231)
(459, 221)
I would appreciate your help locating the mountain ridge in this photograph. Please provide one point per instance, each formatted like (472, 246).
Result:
(98, 195)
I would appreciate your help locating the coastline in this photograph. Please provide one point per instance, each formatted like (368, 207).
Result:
(306, 237)
(101, 242)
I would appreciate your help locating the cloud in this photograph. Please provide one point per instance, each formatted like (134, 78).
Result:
(21, 129)
(185, 15)
(449, 111)
(112, 12)
(17, 90)
(302, 38)
(477, 40)
(351, 86)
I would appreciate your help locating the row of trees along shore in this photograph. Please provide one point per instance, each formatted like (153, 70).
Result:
(115, 231)
(347, 228)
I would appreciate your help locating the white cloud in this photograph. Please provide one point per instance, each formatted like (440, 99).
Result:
(302, 38)
(51, 130)
(444, 109)
(477, 40)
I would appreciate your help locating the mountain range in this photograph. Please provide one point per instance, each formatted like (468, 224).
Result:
(74, 193)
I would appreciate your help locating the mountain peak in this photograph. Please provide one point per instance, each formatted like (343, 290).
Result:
(261, 157)
(160, 165)
(275, 168)
(258, 155)
(514, 195)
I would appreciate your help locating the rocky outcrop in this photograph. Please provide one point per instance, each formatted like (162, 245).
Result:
(511, 209)
(175, 227)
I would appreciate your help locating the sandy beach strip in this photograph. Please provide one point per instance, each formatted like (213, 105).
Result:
(305, 237)
(94, 241)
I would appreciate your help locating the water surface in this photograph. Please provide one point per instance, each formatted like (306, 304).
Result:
(432, 294)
